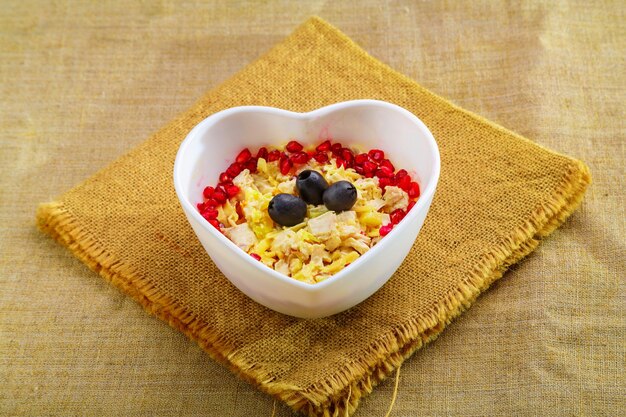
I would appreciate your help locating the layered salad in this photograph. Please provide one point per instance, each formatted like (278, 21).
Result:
(308, 212)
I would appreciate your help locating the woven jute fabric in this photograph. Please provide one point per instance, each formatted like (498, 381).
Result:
(498, 195)
(84, 82)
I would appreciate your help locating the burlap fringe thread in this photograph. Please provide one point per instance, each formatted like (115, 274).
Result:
(339, 394)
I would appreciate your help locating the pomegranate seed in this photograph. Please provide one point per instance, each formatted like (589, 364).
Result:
(410, 206)
(336, 147)
(210, 214)
(384, 230)
(361, 158)
(211, 202)
(250, 165)
(359, 169)
(384, 172)
(294, 146)
(208, 192)
(340, 162)
(300, 158)
(405, 183)
(387, 163)
(220, 196)
(232, 190)
(201, 207)
(224, 177)
(262, 153)
(414, 191)
(215, 223)
(324, 146)
(255, 256)
(383, 182)
(348, 156)
(243, 156)
(321, 157)
(285, 166)
(376, 154)
(401, 174)
(234, 169)
(273, 156)
(397, 215)
(369, 167)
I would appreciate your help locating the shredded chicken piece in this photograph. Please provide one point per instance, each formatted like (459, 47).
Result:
(359, 244)
(244, 179)
(395, 198)
(319, 255)
(242, 236)
(332, 242)
(284, 241)
(283, 267)
(347, 216)
(288, 187)
(323, 226)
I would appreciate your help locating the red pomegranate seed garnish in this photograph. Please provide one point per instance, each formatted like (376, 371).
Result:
(410, 206)
(361, 158)
(360, 170)
(234, 169)
(348, 156)
(211, 202)
(340, 162)
(321, 157)
(414, 191)
(324, 146)
(243, 156)
(369, 167)
(397, 215)
(382, 182)
(262, 153)
(384, 230)
(250, 165)
(215, 223)
(376, 154)
(405, 183)
(255, 256)
(336, 149)
(220, 196)
(273, 155)
(384, 172)
(208, 192)
(224, 177)
(210, 214)
(401, 174)
(387, 163)
(294, 146)
(300, 158)
(201, 207)
(232, 190)
(285, 166)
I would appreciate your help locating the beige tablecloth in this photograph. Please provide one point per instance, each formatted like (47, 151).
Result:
(82, 83)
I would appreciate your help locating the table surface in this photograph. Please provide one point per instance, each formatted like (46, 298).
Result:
(83, 82)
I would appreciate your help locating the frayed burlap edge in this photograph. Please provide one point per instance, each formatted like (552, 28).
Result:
(328, 397)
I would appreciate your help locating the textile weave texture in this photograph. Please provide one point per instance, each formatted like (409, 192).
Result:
(84, 82)
(499, 194)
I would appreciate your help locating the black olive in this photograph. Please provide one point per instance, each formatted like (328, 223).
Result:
(311, 186)
(340, 196)
(287, 209)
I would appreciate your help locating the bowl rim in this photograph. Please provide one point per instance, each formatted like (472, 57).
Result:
(426, 194)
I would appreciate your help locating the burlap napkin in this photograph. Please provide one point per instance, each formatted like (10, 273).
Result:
(498, 195)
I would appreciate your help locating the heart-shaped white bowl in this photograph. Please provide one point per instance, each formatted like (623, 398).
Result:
(213, 144)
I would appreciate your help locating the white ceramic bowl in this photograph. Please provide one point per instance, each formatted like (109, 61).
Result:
(213, 144)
